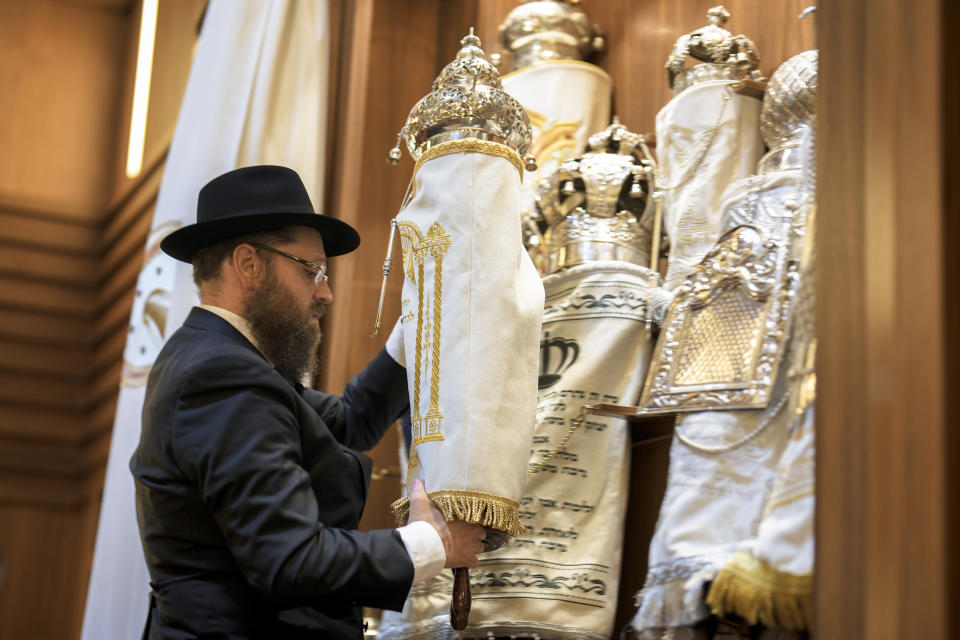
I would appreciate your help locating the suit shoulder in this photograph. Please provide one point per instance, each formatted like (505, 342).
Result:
(196, 357)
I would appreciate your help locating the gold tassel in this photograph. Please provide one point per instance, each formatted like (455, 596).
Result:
(475, 507)
(760, 594)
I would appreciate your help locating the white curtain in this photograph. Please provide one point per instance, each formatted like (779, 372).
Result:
(257, 94)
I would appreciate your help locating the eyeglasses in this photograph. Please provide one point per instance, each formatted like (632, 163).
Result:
(317, 271)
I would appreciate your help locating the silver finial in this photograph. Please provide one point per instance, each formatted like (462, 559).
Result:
(718, 15)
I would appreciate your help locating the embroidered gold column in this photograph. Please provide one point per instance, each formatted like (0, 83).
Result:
(419, 247)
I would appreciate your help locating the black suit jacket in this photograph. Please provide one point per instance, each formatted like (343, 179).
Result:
(249, 491)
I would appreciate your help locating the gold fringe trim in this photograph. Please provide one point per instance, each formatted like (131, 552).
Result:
(469, 145)
(475, 507)
(758, 593)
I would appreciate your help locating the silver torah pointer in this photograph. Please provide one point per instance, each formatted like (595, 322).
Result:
(387, 267)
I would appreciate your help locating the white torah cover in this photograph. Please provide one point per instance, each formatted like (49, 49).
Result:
(560, 578)
(567, 100)
(764, 201)
(769, 580)
(708, 136)
(471, 307)
(256, 94)
(738, 507)
(712, 503)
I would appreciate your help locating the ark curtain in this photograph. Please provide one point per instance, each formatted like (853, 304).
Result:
(257, 94)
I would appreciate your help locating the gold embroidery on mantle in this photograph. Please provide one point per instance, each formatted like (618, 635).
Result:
(558, 141)
(417, 247)
(414, 461)
(468, 145)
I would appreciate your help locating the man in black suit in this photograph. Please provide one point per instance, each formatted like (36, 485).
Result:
(249, 486)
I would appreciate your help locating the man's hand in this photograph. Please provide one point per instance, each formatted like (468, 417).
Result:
(461, 541)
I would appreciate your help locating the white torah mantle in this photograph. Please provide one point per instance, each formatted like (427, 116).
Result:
(566, 100)
(708, 136)
(471, 304)
(560, 577)
(725, 463)
(735, 535)
(471, 307)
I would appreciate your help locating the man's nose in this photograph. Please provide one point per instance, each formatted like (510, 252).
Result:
(323, 293)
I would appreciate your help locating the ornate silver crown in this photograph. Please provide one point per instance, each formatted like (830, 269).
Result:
(542, 30)
(788, 110)
(467, 101)
(722, 55)
(595, 205)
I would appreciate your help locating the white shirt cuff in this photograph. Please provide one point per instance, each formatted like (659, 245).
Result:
(394, 345)
(425, 548)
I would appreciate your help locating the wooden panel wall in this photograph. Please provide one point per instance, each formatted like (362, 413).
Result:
(950, 140)
(887, 321)
(72, 230)
(60, 117)
(57, 124)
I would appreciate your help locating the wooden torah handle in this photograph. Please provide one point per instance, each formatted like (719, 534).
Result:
(460, 603)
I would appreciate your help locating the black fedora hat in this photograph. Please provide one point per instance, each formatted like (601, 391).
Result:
(251, 200)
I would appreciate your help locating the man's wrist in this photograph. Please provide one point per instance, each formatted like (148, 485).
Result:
(425, 547)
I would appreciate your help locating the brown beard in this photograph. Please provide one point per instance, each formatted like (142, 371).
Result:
(287, 338)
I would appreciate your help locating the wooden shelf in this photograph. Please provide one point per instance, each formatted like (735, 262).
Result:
(643, 429)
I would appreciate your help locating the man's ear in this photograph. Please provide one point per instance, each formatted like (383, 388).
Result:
(248, 266)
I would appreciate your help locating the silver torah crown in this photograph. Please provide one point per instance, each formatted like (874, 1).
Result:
(788, 111)
(595, 206)
(722, 55)
(467, 101)
(545, 30)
